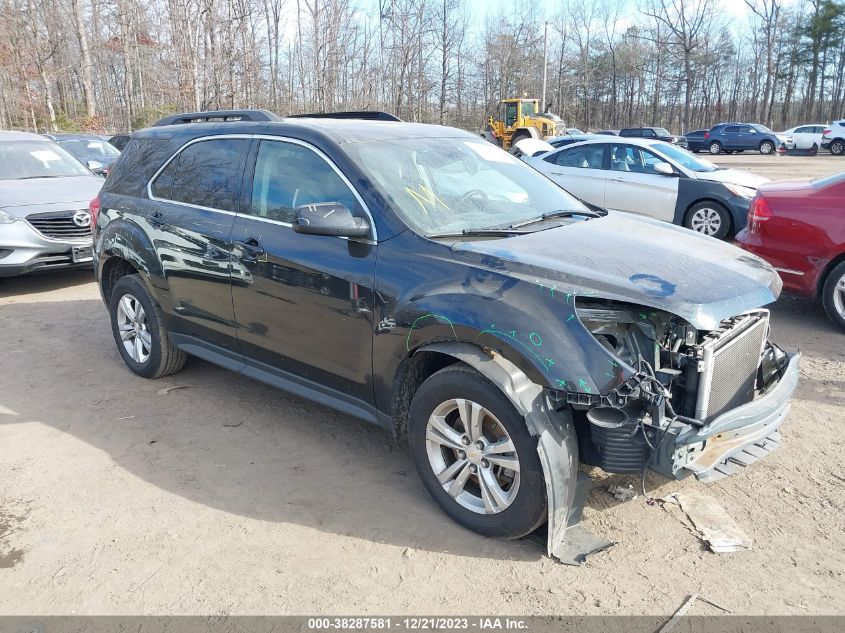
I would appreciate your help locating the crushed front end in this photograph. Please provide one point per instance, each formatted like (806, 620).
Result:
(691, 402)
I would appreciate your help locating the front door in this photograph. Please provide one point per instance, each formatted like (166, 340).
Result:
(633, 185)
(303, 303)
(190, 218)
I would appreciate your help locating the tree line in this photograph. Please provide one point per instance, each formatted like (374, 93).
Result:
(117, 65)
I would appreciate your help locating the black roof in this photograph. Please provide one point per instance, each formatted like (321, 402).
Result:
(337, 130)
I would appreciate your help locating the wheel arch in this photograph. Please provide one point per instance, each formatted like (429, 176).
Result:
(833, 263)
(123, 248)
(114, 268)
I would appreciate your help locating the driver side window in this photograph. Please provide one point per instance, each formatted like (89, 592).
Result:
(289, 175)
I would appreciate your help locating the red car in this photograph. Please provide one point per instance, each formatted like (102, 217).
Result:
(798, 226)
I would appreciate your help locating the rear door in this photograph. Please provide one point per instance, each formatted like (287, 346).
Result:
(634, 186)
(580, 170)
(192, 212)
(303, 303)
(729, 137)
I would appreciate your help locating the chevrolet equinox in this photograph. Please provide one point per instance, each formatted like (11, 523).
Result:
(420, 278)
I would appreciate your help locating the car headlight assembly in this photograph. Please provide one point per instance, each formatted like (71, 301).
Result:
(740, 191)
(6, 218)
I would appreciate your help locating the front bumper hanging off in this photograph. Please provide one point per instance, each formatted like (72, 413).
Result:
(740, 436)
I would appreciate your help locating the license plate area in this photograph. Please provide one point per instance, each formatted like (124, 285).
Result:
(81, 254)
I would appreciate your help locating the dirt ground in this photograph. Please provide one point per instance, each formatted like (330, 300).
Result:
(228, 497)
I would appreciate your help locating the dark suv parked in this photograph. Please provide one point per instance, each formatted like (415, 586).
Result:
(739, 137)
(659, 133)
(419, 278)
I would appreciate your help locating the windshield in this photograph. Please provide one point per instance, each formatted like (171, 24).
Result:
(685, 158)
(762, 128)
(451, 185)
(89, 148)
(529, 108)
(37, 159)
(662, 131)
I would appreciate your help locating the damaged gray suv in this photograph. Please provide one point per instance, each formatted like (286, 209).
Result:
(420, 278)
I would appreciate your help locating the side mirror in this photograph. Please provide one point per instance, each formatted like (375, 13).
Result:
(664, 169)
(96, 166)
(329, 218)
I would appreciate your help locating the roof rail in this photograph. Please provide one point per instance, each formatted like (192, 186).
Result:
(368, 115)
(217, 115)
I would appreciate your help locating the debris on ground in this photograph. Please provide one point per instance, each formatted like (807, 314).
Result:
(686, 606)
(166, 390)
(622, 493)
(711, 520)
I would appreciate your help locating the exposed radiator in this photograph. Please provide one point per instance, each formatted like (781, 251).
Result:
(730, 357)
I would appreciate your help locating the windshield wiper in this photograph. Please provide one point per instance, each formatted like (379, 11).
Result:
(31, 177)
(561, 213)
(491, 232)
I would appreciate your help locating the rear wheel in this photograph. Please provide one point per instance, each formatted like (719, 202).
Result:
(474, 454)
(837, 147)
(715, 147)
(833, 295)
(139, 331)
(767, 147)
(709, 218)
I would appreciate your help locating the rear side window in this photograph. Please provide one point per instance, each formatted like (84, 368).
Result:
(630, 131)
(204, 174)
(288, 175)
(731, 129)
(583, 156)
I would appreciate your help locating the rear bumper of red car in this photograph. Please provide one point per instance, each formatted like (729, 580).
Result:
(798, 274)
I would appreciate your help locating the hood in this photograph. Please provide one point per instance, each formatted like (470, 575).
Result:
(734, 177)
(637, 260)
(19, 196)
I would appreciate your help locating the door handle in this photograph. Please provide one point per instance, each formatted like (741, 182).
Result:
(251, 249)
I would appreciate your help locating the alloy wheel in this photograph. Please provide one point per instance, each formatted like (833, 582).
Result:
(715, 148)
(132, 325)
(837, 148)
(706, 220)
(839, 296)
(472, 456)
(766, 147)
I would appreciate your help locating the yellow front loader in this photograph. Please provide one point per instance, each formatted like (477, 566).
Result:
(517, 119)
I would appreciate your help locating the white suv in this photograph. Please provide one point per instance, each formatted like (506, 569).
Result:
(834, 138)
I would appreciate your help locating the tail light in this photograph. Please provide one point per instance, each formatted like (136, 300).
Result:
(707, 135)
(94, 210)
(826, 131)
(759, 211)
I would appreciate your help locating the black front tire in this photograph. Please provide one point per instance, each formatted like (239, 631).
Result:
(830, 292)
(164, 358)
(527, 511)
(703, 208)
(767, 147)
